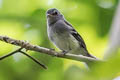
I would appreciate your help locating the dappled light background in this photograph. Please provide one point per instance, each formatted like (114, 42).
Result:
(26, 20)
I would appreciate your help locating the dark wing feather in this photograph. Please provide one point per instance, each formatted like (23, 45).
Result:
(77, 36)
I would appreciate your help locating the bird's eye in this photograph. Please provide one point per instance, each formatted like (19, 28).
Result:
(55, 13)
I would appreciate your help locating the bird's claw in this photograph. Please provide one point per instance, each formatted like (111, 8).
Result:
(64, 53)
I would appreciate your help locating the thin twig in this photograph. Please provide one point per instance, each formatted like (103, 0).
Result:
(34, 59)
(5, 56)
(19, 50)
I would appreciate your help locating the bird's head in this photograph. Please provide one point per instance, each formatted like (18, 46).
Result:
(53, 15)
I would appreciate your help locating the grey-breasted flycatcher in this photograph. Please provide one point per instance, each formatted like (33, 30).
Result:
(63, 35)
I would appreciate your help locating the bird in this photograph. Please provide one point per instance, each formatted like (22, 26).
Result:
(63, 35)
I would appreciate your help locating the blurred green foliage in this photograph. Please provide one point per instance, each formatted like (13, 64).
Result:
(26, 20)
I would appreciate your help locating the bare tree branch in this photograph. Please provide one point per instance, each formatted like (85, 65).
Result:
(43, 50)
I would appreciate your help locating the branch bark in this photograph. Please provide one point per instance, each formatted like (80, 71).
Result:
(47, 51)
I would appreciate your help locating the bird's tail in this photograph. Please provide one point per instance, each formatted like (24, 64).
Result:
(89, 55)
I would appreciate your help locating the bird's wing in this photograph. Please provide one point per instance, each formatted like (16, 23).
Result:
(76, 35)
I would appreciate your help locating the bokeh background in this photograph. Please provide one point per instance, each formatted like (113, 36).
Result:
(26, 20)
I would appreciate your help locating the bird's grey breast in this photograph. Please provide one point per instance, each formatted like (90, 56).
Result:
(58, 34)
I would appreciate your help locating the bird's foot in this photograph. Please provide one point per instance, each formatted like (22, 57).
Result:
(64, 53)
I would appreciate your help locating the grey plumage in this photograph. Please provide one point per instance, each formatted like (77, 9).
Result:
(63, 35)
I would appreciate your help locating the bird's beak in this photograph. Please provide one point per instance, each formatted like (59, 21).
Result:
(49, 15)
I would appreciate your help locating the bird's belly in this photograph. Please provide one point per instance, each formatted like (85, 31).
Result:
(61, 43)
(66, 43)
